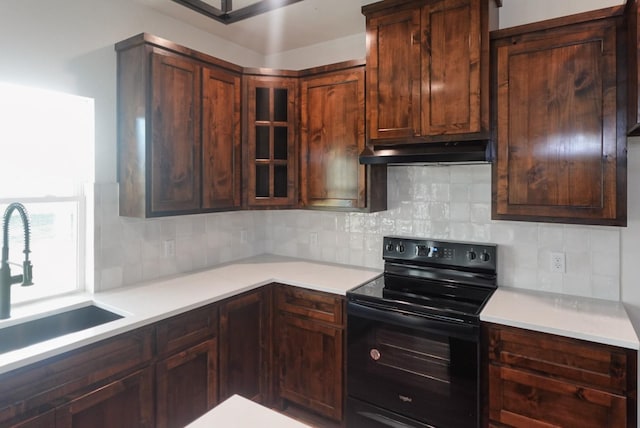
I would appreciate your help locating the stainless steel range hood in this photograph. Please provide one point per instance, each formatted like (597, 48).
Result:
(460, 152)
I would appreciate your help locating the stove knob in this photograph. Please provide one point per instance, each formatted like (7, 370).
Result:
(400, 248)
(390, 247)
(485, 257)
(471, 255)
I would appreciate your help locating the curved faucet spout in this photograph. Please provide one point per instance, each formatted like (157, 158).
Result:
(6, 279)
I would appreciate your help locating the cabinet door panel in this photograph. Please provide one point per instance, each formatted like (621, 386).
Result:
(270, 159)
(332, 138)
(124, 403)
(452, 68)
(310, 365)
(244, 347)
(558, 150)
(175, 124)
(186, 385)
(393, 75)
(221, 163)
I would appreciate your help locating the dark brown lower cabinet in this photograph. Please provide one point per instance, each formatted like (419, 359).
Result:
(123, 403)
(277, 342)
(310, 359)
(542, 380)
(309, 333)
(105, 384)
(245, 350)
(187, 366)
(186, 385)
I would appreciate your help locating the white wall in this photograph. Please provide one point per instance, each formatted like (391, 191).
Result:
(68, 45)
(518, 12)
(338, 50)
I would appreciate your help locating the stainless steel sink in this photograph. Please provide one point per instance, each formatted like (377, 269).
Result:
(41, 329)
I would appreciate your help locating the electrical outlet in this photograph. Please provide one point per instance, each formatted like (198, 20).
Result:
(313, 238)
(557, 262)
(169, 248)
(243, 236)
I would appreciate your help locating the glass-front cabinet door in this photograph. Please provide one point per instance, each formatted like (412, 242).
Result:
(271, 151)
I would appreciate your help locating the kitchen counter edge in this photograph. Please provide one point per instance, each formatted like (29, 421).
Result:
(593, 320)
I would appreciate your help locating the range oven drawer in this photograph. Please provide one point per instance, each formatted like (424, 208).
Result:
(425, 374)
(364, 415)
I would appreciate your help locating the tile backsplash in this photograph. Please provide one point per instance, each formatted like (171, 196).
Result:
(447, 202)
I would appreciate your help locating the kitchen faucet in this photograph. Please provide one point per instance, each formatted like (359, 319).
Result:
(6, 280)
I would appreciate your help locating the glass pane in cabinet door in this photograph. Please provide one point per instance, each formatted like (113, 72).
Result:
(262, 181)
(262, 142)
(280, 142)
(262, 104)
(280, 105)
(280, 181)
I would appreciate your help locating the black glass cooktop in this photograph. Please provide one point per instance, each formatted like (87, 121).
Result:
(449, 280)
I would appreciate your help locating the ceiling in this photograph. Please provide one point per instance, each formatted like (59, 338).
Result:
(300, 24)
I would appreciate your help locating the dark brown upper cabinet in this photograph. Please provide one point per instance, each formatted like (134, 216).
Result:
(633, 124)
(178, 130)
(270, 141)
(332, 135)
(428, 70)
(561, 140)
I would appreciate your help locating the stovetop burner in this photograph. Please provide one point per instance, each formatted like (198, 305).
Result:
(447, 280)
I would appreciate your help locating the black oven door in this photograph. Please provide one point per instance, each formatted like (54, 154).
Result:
(413, 366)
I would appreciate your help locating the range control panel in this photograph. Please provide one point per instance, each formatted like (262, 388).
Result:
(440, 252)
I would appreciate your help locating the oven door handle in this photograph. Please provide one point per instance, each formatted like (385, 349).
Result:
(395, 316)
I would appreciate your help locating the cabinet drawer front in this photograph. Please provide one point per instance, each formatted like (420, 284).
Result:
(310, 304)
(187, 329)
(522, 399)
(584, 362)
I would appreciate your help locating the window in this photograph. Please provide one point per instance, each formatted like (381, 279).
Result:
(46, 160)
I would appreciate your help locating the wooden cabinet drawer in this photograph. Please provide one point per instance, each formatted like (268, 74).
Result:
(186, 329)
(523, 399)
(310, 304)
(575, 360)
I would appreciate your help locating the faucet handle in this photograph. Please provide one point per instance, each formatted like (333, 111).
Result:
(27, 273)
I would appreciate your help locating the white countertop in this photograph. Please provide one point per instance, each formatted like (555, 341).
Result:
(589, 319)
(238, 412)
(153, 301)
(600, 321)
